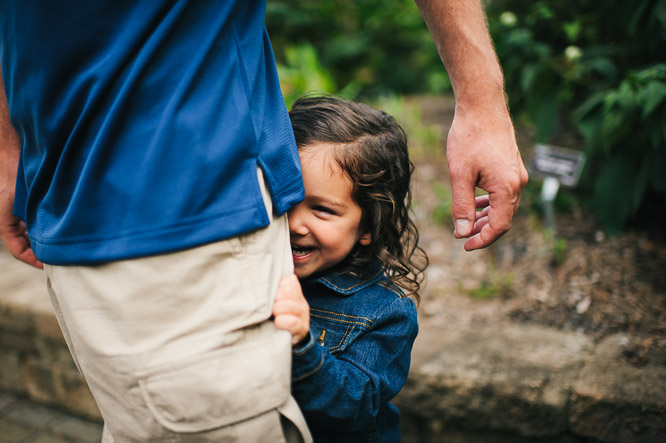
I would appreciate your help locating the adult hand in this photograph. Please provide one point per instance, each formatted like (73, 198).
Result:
(481, 148)
(14, 236)
(290, 310)
(13, 232)
(482, 152)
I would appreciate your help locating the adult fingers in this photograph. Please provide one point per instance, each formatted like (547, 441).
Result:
(483, 203)
(478, 225)
(17, 242)
(482, 214)
(496, 222)
(485, 237)
(463, 205)
(502, 204)
(28, 256)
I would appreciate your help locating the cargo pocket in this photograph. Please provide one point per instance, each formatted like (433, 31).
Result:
(220, 388)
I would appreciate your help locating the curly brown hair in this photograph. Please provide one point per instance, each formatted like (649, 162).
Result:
(371, 147)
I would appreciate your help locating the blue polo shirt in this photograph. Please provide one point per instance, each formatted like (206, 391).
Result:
(143, 123)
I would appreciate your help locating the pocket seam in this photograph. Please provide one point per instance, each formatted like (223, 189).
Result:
(276, 395)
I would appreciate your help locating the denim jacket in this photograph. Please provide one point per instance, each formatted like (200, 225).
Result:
(356, 359)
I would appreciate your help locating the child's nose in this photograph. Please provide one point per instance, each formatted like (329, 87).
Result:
(297, 225)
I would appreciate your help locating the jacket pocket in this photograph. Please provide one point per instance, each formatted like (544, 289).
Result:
(334, 330)
(220, 388)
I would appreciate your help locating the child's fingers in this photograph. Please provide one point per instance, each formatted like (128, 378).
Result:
(294, 325)
(291, 311)
(289, 287)
(289, 306)
(286, 322)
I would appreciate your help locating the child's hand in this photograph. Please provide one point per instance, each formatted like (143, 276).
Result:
(291, 310)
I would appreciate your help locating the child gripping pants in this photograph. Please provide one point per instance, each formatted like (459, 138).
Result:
(181, 347)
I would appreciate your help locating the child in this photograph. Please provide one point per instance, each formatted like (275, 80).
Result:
(353, 246)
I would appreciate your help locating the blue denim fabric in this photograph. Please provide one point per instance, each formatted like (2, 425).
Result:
(357, 358)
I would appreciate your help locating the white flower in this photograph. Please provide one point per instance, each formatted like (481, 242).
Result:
(508, 18)
(573, 53)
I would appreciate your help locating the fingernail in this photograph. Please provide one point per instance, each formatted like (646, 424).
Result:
(463, 227)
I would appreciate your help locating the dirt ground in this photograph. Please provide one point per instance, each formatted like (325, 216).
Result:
(575, 279)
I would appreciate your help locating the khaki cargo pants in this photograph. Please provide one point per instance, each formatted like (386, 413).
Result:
(181, 347)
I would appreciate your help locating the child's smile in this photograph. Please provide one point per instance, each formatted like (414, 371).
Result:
(325, 227)
(300, 252)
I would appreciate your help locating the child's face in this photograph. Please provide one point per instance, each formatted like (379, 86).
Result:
(326, 225)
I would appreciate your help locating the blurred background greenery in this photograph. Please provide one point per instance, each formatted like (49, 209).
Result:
(580, 74)
(368, 47)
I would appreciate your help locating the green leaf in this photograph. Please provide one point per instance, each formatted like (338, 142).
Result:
(616, 125)
(637, 16)
(652, 96)
(528, 75)
(603, 66)
(590, 128)
(613, 192)
(588, 117)
(545, 115)
(625, 96)
(572, 30)
(592, 104)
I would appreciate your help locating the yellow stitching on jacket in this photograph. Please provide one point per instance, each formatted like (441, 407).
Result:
(341, 315)
(343, 321)
(351, 287)
(342, 341)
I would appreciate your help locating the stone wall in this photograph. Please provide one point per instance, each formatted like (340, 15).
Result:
(538, 383)
(34, 355)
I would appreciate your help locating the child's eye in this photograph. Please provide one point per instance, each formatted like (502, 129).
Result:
(323, 209)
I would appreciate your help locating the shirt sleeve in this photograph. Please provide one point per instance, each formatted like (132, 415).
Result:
(347, 390)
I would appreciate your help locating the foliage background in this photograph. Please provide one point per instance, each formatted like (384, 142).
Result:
(593, 75)
(368, 47)
(585, 75)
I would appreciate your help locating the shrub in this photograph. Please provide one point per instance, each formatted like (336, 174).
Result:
(378, 47)
(597, 73)
(625, 130)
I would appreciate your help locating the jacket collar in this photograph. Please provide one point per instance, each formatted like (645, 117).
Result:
(347, 284)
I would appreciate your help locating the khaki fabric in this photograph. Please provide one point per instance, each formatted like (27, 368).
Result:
(181, 347)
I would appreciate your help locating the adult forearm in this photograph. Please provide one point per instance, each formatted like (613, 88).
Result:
(481, 148)
(13, 232)
(460, 33)
(9, 150)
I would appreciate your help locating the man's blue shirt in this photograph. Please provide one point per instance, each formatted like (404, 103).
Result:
(357, 359)
(143, 123)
